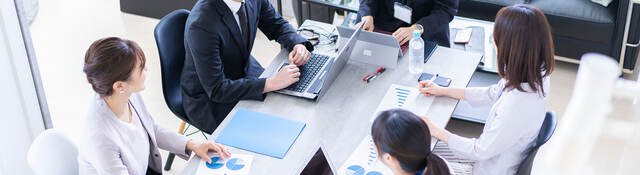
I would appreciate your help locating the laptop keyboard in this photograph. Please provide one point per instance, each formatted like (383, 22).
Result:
(308, 72)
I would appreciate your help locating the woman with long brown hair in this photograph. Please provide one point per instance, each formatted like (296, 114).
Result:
(525, 57)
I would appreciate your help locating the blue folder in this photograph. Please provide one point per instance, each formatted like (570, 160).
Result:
(260, 133)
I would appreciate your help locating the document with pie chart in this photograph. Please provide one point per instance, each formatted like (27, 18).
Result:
(237, 164)
(364, 161)
(403, 97)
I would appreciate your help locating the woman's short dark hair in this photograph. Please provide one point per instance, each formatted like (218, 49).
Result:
(109, 60)
(406, 137)
(525, 47)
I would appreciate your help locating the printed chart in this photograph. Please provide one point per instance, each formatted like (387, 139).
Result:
(364, 161)
(237, 164)
(403, 97)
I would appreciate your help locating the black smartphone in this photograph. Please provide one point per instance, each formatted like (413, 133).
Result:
(440, 81)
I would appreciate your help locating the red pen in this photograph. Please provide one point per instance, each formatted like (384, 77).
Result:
(368, 78)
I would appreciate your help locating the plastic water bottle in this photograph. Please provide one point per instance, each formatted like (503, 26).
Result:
(416, 53)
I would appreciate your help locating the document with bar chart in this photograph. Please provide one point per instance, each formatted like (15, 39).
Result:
(403, 97)
(364, 161)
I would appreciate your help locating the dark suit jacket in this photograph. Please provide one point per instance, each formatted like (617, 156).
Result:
(219, 70)
(433, 15)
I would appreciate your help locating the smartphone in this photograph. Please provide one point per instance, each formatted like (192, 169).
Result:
(463, 36)
(440, 81)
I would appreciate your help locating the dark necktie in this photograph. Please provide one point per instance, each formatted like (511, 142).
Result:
(242, 17)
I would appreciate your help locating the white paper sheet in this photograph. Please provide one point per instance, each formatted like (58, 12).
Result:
(237, 164)
(364, 161)
(403, 97)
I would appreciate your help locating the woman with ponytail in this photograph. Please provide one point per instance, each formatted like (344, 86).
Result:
(403, 142)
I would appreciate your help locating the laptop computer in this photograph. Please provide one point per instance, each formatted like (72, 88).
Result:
(381, 48)
(320, 71)
(374, 48)
(403, 48)
(319, 164)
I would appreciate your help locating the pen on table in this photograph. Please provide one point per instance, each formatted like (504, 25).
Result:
(372, 76)
(375, 75)
(432, 79)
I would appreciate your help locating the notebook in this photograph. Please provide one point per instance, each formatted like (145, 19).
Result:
(260, 133)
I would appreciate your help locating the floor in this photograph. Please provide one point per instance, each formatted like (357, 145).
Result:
(63, 31)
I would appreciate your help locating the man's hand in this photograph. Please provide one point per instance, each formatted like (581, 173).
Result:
(288, 75)
(299, 55)
(404, 34)
(201, 149)
(368, 23)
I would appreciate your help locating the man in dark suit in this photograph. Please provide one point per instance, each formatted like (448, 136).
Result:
(219, 70)
(431, 17)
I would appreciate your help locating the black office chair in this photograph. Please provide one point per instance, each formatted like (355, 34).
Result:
(548, 126)
(169, 34)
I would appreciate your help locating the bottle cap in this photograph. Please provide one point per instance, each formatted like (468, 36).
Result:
(416, 33)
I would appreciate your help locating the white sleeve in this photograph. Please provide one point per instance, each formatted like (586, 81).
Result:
(503, 132)
(478, 96)
(172, 141)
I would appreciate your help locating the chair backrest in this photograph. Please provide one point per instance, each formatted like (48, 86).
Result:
(53, 153)
(546, 131)
(169, 34)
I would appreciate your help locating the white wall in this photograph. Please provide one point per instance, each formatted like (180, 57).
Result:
(20, 114)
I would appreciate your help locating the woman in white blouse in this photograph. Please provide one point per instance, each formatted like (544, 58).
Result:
(525, 53)
(120, 137)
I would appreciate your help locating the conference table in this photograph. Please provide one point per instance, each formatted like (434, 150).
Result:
(341, 119)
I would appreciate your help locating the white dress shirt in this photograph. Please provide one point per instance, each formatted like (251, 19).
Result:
(235, 7)
(511, 128)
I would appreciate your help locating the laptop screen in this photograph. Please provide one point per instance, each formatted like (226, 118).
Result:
(318, 165)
